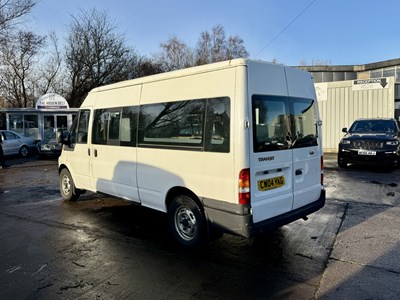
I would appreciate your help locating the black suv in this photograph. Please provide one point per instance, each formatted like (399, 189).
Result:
(370, 141)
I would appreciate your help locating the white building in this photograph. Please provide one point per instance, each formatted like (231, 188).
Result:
(346, 93)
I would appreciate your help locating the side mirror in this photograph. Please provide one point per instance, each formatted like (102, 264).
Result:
(344, 130)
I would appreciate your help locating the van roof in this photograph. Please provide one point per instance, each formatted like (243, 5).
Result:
(180, 73)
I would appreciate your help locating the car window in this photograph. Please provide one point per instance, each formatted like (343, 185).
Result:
(10, 136)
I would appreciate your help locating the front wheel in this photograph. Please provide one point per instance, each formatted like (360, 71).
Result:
(67, 187)
(23, 151)
(187, 222)
(341, 163)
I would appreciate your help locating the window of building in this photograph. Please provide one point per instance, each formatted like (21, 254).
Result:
(16, 123)
(389, 72)
(376, 73)
(338, 76)
(31, 126)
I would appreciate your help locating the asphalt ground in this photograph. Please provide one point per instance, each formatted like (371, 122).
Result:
(350, 249)
(364, 262)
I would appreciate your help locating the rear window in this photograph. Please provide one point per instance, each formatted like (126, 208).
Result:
(281, 123)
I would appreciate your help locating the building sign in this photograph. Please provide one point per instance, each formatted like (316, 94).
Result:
(51, 101)
(371, 84)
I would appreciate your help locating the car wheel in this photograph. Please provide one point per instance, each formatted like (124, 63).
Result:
(67, 186)
(23, 151)
(341, 163)
(187, 222)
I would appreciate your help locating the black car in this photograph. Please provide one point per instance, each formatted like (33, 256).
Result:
(49, 145)
(370, 141)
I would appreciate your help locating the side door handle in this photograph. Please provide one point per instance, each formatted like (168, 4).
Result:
(298, 172)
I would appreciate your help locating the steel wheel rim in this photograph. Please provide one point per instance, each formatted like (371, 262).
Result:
(185, 223)
(66, 185)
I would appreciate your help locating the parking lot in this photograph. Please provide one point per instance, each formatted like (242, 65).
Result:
(105, 248)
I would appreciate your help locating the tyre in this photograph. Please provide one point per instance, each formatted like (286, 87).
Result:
(341, 163)
(187, 222)
(67, 186)
(23, 151)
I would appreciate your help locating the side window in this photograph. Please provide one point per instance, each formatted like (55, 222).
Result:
(79, 129)
(10, 136)
(113, 127)
(128, 128)
(83, 125)
(218, 125)
(106, 126)
(173, 123)
(100, 127)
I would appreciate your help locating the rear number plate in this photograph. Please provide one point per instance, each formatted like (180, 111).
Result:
(271, 183)
(366, 152)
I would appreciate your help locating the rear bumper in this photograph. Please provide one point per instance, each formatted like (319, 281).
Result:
(289, 217)
(237, 219)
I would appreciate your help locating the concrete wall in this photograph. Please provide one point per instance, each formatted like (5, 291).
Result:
(341, 102)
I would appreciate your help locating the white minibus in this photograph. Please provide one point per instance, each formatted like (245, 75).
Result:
(230, 147)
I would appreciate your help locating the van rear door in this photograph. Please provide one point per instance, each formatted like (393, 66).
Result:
(285, 152)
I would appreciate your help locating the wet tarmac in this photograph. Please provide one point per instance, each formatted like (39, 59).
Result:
(100, 247)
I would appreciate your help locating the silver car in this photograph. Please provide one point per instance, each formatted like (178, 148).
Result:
(16, 144)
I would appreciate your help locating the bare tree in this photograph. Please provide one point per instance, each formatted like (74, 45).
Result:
(211, 47)
(48, 74)
(95, 54)
(315, 62)
(19, 57)
(214, 46)
(175, 55)
(12, 10)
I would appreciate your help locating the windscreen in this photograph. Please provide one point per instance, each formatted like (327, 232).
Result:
(281, 123)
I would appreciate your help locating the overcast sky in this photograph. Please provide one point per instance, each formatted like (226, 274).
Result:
(344, 32)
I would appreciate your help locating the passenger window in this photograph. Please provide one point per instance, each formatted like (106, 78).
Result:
(100, 127)
(173, 123)
(129, 126)
(218, 125)
(106, 127)
(113, 127)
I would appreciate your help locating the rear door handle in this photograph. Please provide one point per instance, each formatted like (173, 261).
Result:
(298, 172)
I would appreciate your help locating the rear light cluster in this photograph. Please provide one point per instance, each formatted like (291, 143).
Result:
(244, 186)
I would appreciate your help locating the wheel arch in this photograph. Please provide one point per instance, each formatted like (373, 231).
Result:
(179, 190)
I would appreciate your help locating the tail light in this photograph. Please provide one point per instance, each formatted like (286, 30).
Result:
(244, 186)
(322, 170)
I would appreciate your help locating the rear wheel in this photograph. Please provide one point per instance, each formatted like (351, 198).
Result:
(67, 187)
(187, 222)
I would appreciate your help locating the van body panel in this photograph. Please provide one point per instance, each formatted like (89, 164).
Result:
(113, 168)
